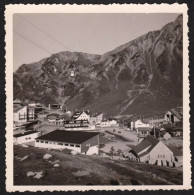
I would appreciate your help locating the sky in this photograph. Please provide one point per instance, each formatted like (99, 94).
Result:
(37, 36)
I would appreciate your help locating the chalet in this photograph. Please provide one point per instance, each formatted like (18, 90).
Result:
(20, 114)
(78, 125)
(27, 136)
(135, 124)
(84, 115)
(173, 115)
(153, 151)
(82, 142)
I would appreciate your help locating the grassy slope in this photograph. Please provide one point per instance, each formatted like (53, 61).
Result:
(96, 170)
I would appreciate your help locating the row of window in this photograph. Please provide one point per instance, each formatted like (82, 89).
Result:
(76, 125)
(61, 144)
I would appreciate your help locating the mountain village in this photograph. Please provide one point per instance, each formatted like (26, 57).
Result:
(95, 118)
(150, 141)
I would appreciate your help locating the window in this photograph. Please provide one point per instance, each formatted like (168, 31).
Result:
(71, 145)
(87, 145)
(66, 144)
(42, 141)
(37, 140)
(78, 146)
(60, 144)
(46, 142)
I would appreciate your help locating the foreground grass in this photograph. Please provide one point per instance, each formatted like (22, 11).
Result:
(88, 170)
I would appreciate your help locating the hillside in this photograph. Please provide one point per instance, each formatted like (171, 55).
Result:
(88, 170)
(142, 76)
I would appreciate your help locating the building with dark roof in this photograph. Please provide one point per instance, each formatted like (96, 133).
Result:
(173, 115)
(83, 115)
(153, 151)
(143, 132)
(82, 142)
(78, 125)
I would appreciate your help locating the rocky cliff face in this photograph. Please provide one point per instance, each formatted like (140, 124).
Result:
(142, 76)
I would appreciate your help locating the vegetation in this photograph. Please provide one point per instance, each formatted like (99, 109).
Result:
(88, 170)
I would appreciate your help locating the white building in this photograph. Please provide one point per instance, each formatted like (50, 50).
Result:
(84, 115)
(108, 123)
(27, 136)
(153, 151)
(138, 123)
(20, 115)
(82, 142)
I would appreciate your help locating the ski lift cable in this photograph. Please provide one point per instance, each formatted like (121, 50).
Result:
(31, 42)
(44, 32)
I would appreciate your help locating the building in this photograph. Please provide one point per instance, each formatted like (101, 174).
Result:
(153, 151)
(135, 124)
(173, 115)
(31, 113)
(82, 142)
(27, 136)
(33, 103)
(156, 122)
(78, 125)
(54, 106)
(84, 115)
(96, 118)
(108, 123)
(143, 132)
(20, 115)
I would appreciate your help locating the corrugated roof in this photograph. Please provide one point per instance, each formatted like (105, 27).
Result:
(76, 137)
(149, 141)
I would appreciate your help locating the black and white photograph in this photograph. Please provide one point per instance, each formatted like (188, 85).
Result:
(97, 99)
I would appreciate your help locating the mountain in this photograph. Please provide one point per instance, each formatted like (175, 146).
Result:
(142, 76)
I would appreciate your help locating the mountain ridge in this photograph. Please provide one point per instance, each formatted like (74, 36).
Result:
(141, 76)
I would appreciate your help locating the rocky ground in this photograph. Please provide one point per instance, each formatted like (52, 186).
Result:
(32, 168)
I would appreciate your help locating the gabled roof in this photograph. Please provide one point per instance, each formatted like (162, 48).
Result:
(75, 137)
(149, 141)
(178, 115)
(77, 113)
(16, 109)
